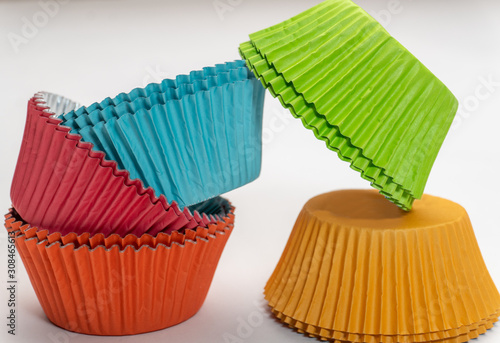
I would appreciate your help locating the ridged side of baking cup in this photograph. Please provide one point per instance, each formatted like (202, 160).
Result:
(61, 184)
(365, 84)
(382, 282)
(115, 291)
(334, 140)
(191, 149)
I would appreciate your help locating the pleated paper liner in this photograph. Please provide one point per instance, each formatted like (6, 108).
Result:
(331, 135)
(463, 334)
(365, 84)
(61, 184)
(192, 149)
(355, 264)
(171, 88)
(234, 156)
(113, 291)
(156, 94)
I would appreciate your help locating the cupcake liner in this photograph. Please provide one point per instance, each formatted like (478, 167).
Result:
(463, 334)
(120, 291)
(61, 184)
(361, 87)
(380, 272)
(331, 135)
(169, 146)
(166, 140)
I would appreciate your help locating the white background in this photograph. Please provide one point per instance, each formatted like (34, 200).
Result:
(92, 49)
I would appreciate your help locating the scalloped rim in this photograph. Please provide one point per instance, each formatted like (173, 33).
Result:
(11, 220)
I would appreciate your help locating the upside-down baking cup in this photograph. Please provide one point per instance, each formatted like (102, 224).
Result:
(120, 290)
(357, 269)
(360, 91)
(61, 184)
(191, 149)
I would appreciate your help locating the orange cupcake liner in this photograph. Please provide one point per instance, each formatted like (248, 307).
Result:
(356, 265)
(120, 289)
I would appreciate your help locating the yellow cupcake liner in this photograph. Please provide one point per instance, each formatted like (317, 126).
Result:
(355, 264)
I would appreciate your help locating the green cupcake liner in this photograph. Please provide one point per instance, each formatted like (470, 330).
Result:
(341, 71)
(330, 134)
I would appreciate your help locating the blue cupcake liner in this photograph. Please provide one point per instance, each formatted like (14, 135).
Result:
(190, 150)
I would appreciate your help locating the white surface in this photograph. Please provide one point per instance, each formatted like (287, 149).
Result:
(93, 49)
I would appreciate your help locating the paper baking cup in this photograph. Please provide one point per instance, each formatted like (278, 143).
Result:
(335, 141)
(355, 266)
(166, 139)
(120, 290)
(349, 81)
(61, 184)
(191, 149)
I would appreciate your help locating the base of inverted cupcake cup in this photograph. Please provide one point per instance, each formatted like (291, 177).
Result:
(120, 290)
(358, 269)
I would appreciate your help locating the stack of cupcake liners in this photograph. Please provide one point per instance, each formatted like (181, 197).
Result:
(360, 91)
(350, 275)
(232, 149)
(117, 214)
(116, 286)
(83, 215)
(62, 184)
